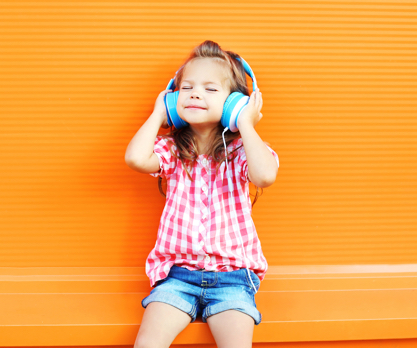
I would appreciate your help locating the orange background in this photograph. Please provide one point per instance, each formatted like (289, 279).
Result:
(78, 79)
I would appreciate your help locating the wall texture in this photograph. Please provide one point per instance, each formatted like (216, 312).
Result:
(77, 80)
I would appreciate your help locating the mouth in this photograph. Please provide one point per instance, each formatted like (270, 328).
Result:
(195, 107)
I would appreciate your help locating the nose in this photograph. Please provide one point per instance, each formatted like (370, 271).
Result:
(195, 95)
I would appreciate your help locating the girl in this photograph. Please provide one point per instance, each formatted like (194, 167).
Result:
(207, 258)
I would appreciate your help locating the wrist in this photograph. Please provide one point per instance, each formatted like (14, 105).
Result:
(159, 117)
(243, 123)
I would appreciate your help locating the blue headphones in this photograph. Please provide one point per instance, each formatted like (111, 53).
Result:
(232, 108)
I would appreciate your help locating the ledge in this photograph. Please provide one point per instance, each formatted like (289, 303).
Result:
(77, 306)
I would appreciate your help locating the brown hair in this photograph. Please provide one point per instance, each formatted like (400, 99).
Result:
(183, 138)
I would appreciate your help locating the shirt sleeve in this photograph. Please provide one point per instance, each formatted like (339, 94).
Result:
(243, 163)
(167, 163)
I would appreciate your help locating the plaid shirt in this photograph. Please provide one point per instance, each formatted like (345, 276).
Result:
(199, 225)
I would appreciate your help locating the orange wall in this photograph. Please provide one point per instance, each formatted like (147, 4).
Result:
(78, 79)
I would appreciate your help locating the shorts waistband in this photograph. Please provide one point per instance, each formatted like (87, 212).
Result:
(198, 270)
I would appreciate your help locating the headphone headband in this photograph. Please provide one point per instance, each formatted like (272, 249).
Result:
(248, 71)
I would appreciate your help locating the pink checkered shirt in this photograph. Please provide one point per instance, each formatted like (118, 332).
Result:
(199, 225)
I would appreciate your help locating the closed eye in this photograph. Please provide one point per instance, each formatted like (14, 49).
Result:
(212, 89)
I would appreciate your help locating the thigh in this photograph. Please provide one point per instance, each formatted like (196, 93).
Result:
(232, 291)
(231, 329)
(161, 323)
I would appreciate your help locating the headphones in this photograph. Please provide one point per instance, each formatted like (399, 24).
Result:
(232, 108)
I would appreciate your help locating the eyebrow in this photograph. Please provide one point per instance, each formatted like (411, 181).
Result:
(204, 83)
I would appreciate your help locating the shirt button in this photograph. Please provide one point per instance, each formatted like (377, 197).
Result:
(207, 258)
(202, 243)
(204, 189)
(204, 162)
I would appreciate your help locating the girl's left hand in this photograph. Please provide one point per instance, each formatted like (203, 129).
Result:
(252, 113)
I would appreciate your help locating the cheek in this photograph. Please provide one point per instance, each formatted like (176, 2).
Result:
(222, 102)
(180, 102)
(179, 105)
(180, 97)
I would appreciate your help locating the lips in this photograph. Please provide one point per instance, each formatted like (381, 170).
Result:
(195, 107)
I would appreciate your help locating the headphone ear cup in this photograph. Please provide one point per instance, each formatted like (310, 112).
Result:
(171, 100)
(232, 108)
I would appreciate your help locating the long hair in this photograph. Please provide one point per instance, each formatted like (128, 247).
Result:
(183, 138)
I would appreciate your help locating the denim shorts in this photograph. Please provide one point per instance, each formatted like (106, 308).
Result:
(207, 293)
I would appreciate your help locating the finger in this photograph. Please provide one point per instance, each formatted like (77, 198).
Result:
(252, 98)
(259, 95)
(163, 93)
(258, 99)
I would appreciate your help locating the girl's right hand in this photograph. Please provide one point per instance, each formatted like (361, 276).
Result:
(159, 109)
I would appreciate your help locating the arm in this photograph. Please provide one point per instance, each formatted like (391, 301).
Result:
(139, 153)
(262, 166)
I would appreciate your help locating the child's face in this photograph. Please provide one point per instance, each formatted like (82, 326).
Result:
(203, 90)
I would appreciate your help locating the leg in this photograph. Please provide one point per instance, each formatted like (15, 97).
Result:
(231, 329)
(161, 323)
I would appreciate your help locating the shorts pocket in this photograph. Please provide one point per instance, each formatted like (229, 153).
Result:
(255, 280)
